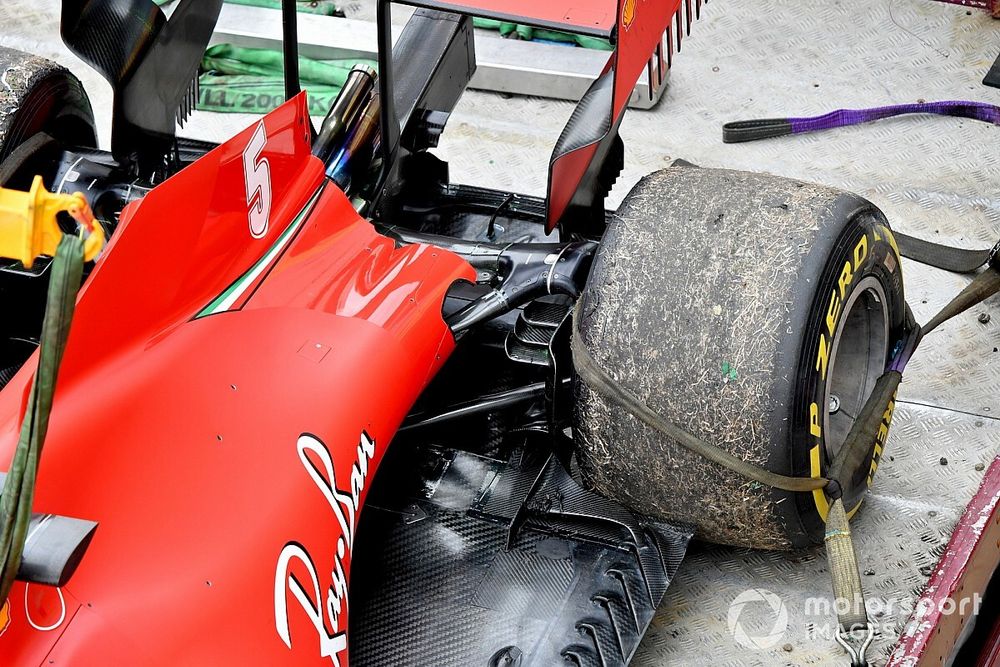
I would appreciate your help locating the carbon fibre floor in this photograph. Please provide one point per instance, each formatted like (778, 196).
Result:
(937, 178)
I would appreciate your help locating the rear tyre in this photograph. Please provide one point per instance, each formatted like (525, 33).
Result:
(38, 95)
(754, 311)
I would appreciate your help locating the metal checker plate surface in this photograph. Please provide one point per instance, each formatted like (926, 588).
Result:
(938, 178)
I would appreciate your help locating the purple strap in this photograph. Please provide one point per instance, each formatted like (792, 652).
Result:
(842, 117)
(764, 128)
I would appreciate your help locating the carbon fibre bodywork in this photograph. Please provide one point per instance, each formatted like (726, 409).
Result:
(475, 560)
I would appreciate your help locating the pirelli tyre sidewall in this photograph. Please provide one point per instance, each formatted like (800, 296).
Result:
(858, 311)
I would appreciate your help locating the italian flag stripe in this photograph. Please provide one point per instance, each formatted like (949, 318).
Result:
(232, 294)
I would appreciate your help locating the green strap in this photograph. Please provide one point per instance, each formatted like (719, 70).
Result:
(983, 286)
(844, 568)
(597, 378)
(855, 633)
(859, 441)
(19, 487)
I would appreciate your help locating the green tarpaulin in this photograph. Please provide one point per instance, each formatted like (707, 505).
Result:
(247, 80)
(238, 79)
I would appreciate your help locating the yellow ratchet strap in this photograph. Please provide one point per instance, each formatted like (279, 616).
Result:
(29, 228)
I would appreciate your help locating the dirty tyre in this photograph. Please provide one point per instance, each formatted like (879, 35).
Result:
(742, 307)
(39, 96)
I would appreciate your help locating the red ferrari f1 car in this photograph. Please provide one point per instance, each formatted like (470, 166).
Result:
(318, 401)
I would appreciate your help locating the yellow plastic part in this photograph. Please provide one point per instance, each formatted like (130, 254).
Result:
(28, 225)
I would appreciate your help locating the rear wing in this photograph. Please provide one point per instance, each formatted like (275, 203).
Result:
(643, 32)
(589, 154)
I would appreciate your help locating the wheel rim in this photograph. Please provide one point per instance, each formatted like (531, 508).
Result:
(857, 359)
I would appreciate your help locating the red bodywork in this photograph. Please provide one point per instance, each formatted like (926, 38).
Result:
(201, 442)
(953, 595)
(992, 6)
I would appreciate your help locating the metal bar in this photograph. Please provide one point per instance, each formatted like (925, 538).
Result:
(290, 48)
(483, 404)
(504, 65)
(385, 36)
